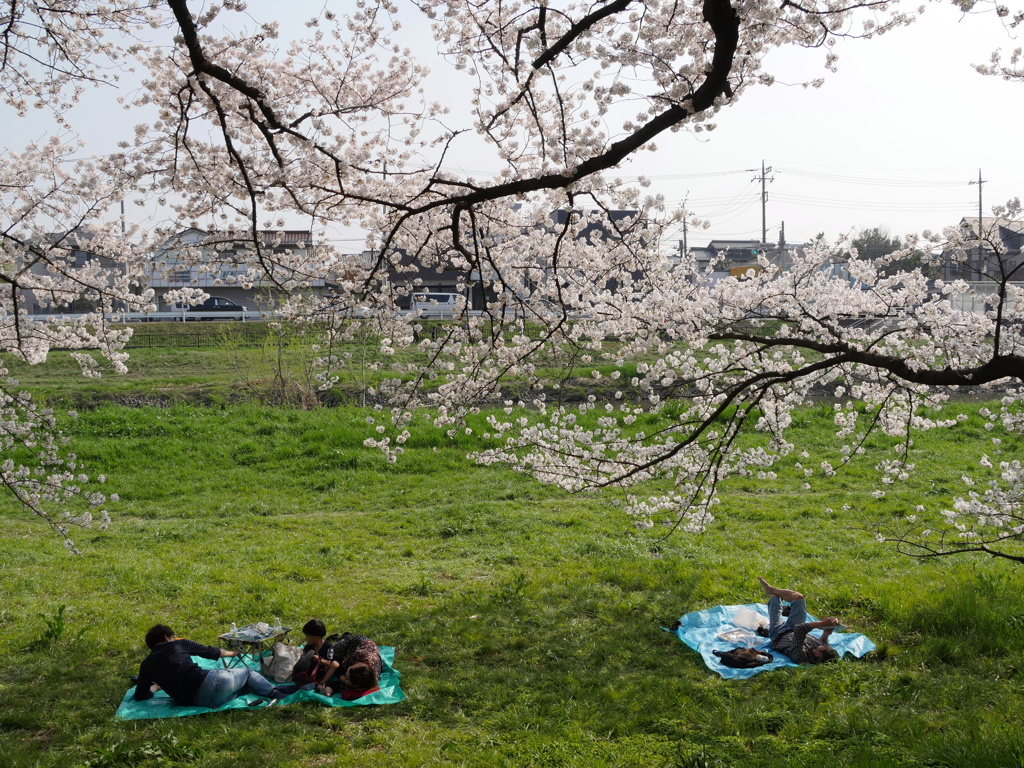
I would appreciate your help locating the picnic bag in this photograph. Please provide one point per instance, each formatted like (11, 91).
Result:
(743, 658)
(278, 667)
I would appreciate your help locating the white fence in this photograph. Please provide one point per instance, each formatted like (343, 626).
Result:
(981, 297)
(176, 315)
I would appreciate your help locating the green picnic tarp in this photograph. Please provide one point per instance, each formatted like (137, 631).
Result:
(162, 705)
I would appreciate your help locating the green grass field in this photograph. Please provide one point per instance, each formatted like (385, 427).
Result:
(526, 620)
(228, 363)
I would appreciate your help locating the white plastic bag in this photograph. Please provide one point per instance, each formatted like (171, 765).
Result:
(746, 618)
(279, 666)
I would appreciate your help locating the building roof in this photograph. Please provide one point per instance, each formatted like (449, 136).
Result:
(596, 227)
(1010, 232)
(298, 237)
(276, 238)
(990, 222)
(729, 245)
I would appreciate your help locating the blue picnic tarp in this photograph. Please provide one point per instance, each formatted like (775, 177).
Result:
(162, 705)
(701, 629)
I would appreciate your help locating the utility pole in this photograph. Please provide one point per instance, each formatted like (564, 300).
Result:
(684, 246)
(782, 246)
(979, 182)
(763, 178)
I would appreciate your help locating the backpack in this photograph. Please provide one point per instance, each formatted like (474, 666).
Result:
(744, 658)
(307, 669)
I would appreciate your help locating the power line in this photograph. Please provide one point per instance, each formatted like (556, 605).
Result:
(869, 205)
(876, 182)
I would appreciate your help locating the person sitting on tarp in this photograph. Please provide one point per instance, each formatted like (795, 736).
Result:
(317, 664)
(791, 635)
(169, 667)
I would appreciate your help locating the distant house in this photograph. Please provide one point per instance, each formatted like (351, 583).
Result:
(598, 226)
(737, 257)
(428, 273)
(219, 264)
(434, 272)
(72, 249)
(982, 262)
(603, 227)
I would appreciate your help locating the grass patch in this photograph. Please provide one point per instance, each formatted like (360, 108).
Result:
(527, 620)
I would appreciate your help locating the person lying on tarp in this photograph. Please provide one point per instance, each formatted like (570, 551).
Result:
(341, 662)
(169, 667)
(791, 635)
(358, 664)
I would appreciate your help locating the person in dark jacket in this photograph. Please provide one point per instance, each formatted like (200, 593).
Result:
(169, 667)
(791, 635)
(317, 664)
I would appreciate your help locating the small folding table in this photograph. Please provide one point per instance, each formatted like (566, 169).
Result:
(251, 642)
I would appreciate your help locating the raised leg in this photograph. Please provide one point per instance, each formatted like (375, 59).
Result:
(789, 595)
(776, 621)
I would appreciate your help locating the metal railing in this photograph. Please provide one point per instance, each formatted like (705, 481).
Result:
(194, 340)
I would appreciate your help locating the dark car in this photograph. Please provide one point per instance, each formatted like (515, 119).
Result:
(217, 308)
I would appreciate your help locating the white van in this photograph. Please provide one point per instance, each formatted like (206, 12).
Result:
(441, 306)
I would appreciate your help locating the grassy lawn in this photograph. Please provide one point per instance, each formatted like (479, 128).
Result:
(226, 363)
(526, 621)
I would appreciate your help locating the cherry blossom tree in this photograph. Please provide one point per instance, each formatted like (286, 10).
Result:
(52, 208)
(338, 129)
(988, 521)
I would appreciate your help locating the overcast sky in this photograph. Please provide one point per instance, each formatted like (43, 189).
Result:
(894, 139)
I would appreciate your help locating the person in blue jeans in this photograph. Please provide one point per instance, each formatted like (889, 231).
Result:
(169, 667)
(791, 635)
